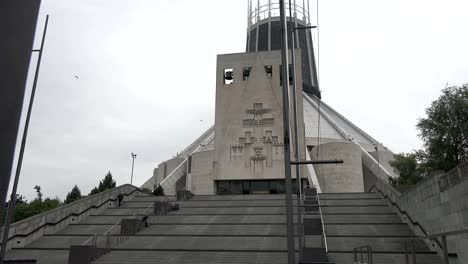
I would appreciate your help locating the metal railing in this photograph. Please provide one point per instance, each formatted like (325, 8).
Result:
(319, 213)
(435, 237)
(107, 236)
(260, 10)
(363, 255)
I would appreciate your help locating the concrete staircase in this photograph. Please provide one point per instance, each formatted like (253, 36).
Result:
(364, 219)
(210, 229)
(235, 229)
(54, 248)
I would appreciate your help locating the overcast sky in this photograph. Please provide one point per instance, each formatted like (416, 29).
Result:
(145, 78)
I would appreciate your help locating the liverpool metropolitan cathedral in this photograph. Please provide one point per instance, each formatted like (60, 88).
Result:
(243, 152)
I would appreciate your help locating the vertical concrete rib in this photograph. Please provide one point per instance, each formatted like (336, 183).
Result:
(269, 25)
(249, 20)
(258, 25)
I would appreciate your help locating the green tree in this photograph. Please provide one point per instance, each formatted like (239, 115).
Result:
(95, 190)
(158, 191)
(24, 209)
(105, 184)
(407, 167)
(38, 192)
(445, 130)
(73, 195)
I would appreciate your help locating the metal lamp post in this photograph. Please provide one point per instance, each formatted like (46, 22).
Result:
(133, 163)
(286, 134)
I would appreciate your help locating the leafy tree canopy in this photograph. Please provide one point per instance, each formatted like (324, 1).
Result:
(38, 192)
(158, 191)
(445, 130)
(445, 135)
(408, 169)
(105, 184)
(73, 195)
(23, 209)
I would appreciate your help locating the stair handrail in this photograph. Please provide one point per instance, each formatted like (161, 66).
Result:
(106, 234)
(443, 237)
(181, 167)
(323, 224)
(324, 236)
(401, 211)
(122, 239)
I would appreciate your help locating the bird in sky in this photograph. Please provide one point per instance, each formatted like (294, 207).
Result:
(76, 77)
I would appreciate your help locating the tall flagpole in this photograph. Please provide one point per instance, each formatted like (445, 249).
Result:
(286, 134)
(12, 203)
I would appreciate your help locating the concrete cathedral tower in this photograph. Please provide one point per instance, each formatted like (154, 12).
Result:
(243, 152)
(264, 34)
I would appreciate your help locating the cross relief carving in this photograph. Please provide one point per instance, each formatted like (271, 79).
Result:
(257, 147)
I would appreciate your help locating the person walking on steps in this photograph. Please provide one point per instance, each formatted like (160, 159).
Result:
(120, 198)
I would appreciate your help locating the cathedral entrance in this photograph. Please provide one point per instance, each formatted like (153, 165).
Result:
(267, 186)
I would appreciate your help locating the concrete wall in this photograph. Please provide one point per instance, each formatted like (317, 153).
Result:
(202, 173)
(26, 231)
(438, 204)
(165, 168)
(384, 157)
(248, 121)
(151, 182)
(346, 177)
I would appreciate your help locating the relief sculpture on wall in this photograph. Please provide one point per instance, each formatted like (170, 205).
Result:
(257, 147)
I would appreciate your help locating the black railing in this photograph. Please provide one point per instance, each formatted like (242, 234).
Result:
(363, 255)
(435, 237)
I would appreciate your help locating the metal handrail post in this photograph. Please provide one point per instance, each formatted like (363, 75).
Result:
(445, 250)
(355, 255)
(369, 255)
(413, 251)
(406, 252)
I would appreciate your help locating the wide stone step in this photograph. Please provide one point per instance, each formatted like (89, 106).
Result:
(232, 210)
(201, 211)
(213, 243)
(241, 203)
(128, 211)
(336, 202)
(154, 198)
(79, 229)
(192, 257)
(220, 219)
(42, 256)
(359, 209)
(386, 244)
(216, 230)
(58, 241)
(385, 258)
(387, 218)
(368, 230)
(348, 195)
(193, 219)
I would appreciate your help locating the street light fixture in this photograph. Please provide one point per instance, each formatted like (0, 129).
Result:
(133, 163)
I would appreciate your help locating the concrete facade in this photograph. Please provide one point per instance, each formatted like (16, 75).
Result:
(438, 204)
(248, 121)
(202, 173)
(28, 230)
(335, 178)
